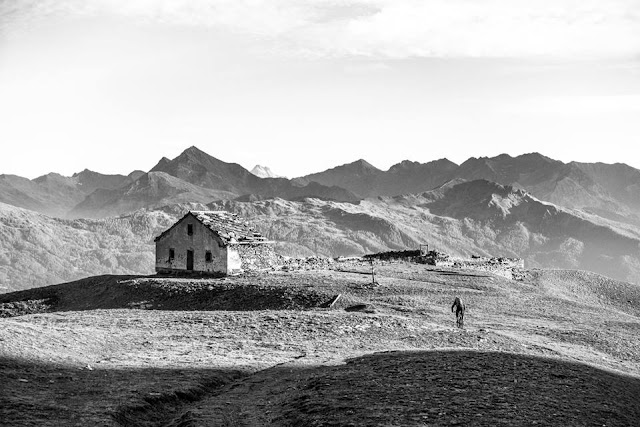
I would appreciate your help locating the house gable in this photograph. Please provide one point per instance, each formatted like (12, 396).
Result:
(179, 223)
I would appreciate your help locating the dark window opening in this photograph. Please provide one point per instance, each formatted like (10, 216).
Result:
(207, 256)
(172, 254)
(189, 260)
(190, 229)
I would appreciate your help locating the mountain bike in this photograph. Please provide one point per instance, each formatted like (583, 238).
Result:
(460, 320)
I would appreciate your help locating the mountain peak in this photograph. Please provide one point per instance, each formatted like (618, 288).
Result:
(193, 149)
(192, 152)
(362, 164)
(536, 157)
(263, 172)
(49, 176)
(161, 164)
(82, 172)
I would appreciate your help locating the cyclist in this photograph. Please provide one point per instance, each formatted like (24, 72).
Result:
(459, 306)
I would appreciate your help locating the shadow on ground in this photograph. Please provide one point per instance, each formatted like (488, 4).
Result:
(45, 394)
(160, 293)
(459, 388)
(394, 388)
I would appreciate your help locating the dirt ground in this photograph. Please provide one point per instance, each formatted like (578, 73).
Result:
(558, 348)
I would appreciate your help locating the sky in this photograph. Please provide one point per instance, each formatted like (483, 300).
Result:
(305, 85)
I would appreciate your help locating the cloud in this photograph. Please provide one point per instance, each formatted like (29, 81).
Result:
(385, 29)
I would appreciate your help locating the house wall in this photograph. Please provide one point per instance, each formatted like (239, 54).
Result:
(201, 241)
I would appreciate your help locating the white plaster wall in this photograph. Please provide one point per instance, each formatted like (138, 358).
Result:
(234, 262)
(201, 241)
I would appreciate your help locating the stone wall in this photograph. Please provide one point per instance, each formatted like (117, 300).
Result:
(256, 256)
(501, 266)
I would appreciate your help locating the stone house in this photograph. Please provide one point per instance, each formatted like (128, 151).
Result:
(212, 242)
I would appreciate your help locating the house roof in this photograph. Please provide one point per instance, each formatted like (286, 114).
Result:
(229, 227)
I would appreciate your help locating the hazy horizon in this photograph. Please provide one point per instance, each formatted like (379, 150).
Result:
(303, 86)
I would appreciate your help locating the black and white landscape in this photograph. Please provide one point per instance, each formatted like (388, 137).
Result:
(390, 164)
(552, 214)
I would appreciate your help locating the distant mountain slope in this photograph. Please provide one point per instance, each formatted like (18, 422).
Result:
(25, 193)
(478, 217)
(620, 181)
(54, 194)
(564, 184)
(461, 218)
(366, 180)
(360, 177)
(151, 190)
(89, 181)
(193, 176)
(197, 167)
(610, 191)
(36, 250)
(414, 177)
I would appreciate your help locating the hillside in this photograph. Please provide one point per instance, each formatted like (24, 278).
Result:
(199, 168)
(557, 348)
(366, 180)
(477, 217)
(196, 177)
(37, 250)
(568, 185)
(54, 194)
(151, 190)
(460, 218)
(192, 177)
(606, 190)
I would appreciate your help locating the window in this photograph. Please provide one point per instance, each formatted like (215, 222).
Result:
(190, 229)
(207, 256)
(172, 254)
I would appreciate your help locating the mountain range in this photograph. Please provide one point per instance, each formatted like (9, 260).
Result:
(608, 190)
(193, 176)
(552, 214)
(477, 217)
(52, 194)
(611, 191)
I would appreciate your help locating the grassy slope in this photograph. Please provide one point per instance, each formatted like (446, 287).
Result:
(560, 347)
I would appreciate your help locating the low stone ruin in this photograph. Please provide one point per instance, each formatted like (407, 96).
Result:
(502, 266)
